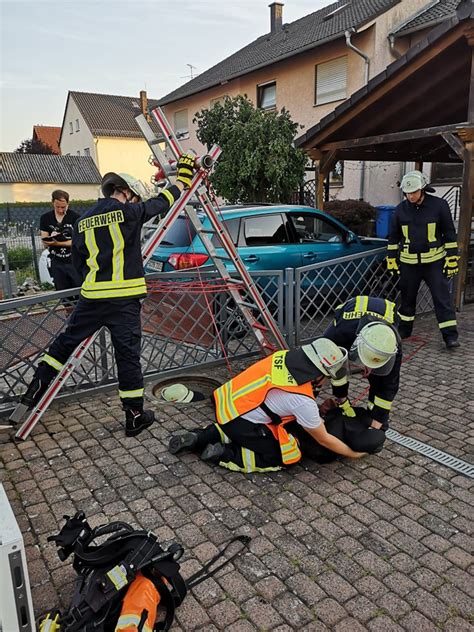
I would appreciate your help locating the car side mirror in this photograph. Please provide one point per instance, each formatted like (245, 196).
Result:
(350, 238)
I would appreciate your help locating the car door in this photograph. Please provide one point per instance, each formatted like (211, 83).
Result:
(265, 243)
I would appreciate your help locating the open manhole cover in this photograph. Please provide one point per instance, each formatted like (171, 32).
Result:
(194, 383)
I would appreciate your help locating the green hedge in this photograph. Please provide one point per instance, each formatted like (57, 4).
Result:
(48, 204)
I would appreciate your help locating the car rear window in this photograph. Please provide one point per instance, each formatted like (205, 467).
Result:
(180, 234)
(232, 226)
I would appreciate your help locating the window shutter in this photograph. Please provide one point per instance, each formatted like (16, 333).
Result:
(331, 80)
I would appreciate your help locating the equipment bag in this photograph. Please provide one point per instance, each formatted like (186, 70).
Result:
(107, 570)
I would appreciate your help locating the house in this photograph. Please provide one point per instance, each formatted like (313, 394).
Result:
(309, 67)
(32, 177)
(103, 127)
(49, 136)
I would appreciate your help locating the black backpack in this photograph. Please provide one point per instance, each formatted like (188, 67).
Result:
(106, 569)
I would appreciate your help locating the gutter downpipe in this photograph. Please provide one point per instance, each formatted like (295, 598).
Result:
(366, 59)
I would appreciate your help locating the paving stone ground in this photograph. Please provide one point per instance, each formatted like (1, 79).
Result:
(381, 544)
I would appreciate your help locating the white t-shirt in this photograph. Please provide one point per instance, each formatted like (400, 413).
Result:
(303, 408)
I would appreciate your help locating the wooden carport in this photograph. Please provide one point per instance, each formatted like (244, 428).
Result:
(421, 108)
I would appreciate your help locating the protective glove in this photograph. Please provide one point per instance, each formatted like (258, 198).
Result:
(392, 266)
(451, 267)
(185, 168)
(347, 409)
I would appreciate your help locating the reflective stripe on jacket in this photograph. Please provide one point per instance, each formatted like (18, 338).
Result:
(248, 390)
(425, 233)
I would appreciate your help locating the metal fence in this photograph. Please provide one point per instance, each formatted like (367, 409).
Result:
(188, 321)
(19, 257)
(185, 322)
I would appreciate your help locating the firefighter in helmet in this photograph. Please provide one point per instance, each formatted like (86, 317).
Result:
(422, 247)
(106, 251)
(366, 327)
(253, 408)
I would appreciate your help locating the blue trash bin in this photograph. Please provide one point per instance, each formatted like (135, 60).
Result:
(382, 224)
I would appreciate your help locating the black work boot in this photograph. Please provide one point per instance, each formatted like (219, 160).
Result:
(452, 344)
(183, 441)
(34, 392)
(137, 420)
(213, 452)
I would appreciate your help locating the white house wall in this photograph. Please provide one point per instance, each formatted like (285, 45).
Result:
(34, 192)
(75, 143)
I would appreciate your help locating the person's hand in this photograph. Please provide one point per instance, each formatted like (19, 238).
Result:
(451, 267)
(346, 408)
(392, 266)
(375, 425)
(185, 168)
(359, 455)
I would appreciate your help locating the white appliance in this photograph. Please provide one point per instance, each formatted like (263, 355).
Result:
(16, 605)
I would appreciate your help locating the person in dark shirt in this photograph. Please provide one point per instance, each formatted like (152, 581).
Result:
(422, 246)
(107, 251)
(56, 228)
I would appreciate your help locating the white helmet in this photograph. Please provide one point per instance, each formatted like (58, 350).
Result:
(413, 181)
(376, 347)
(326, 356)
(112, 181)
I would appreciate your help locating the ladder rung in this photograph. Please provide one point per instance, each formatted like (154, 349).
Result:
(246, 304)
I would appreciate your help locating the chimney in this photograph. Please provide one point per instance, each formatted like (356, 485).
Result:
(144, 105)
(276, 16)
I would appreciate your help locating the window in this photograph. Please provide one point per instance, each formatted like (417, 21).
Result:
(87, 151)
(336, 176)
(77, 125)
(232, 226)
(265, 230)
(331, 81)
(266, 96)
(181, 124)
(446, 173)
(310, 229)
(71, 128)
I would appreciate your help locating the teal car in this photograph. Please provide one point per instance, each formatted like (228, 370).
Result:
(272, 237)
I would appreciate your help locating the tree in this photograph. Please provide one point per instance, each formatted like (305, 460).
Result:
(33, 146)
(259, 162)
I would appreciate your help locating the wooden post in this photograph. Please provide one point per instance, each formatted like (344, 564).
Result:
(465, 219)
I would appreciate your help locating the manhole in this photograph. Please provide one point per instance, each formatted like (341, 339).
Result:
(196, 383)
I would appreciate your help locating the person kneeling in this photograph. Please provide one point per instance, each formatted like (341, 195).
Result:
(253, 408)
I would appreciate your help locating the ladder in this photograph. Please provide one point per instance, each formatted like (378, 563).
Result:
(263, 332)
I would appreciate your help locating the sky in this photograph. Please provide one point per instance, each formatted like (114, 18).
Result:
(114, 47)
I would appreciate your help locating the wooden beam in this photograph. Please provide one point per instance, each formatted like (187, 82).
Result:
(327, 162)
(455, 144)
(394, 137)
(404, 72)
(465, 220)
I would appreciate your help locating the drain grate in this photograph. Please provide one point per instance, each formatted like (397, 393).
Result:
(432, 453)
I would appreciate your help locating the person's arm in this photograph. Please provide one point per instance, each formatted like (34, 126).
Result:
(448, 230)
(383, 389)
(322, 436)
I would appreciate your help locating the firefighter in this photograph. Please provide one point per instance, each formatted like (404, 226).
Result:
(106, 251)
(422, 246)
(366, 327)
(253, 408)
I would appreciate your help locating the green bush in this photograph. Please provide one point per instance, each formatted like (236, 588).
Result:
(20, 257)
(357, 215)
